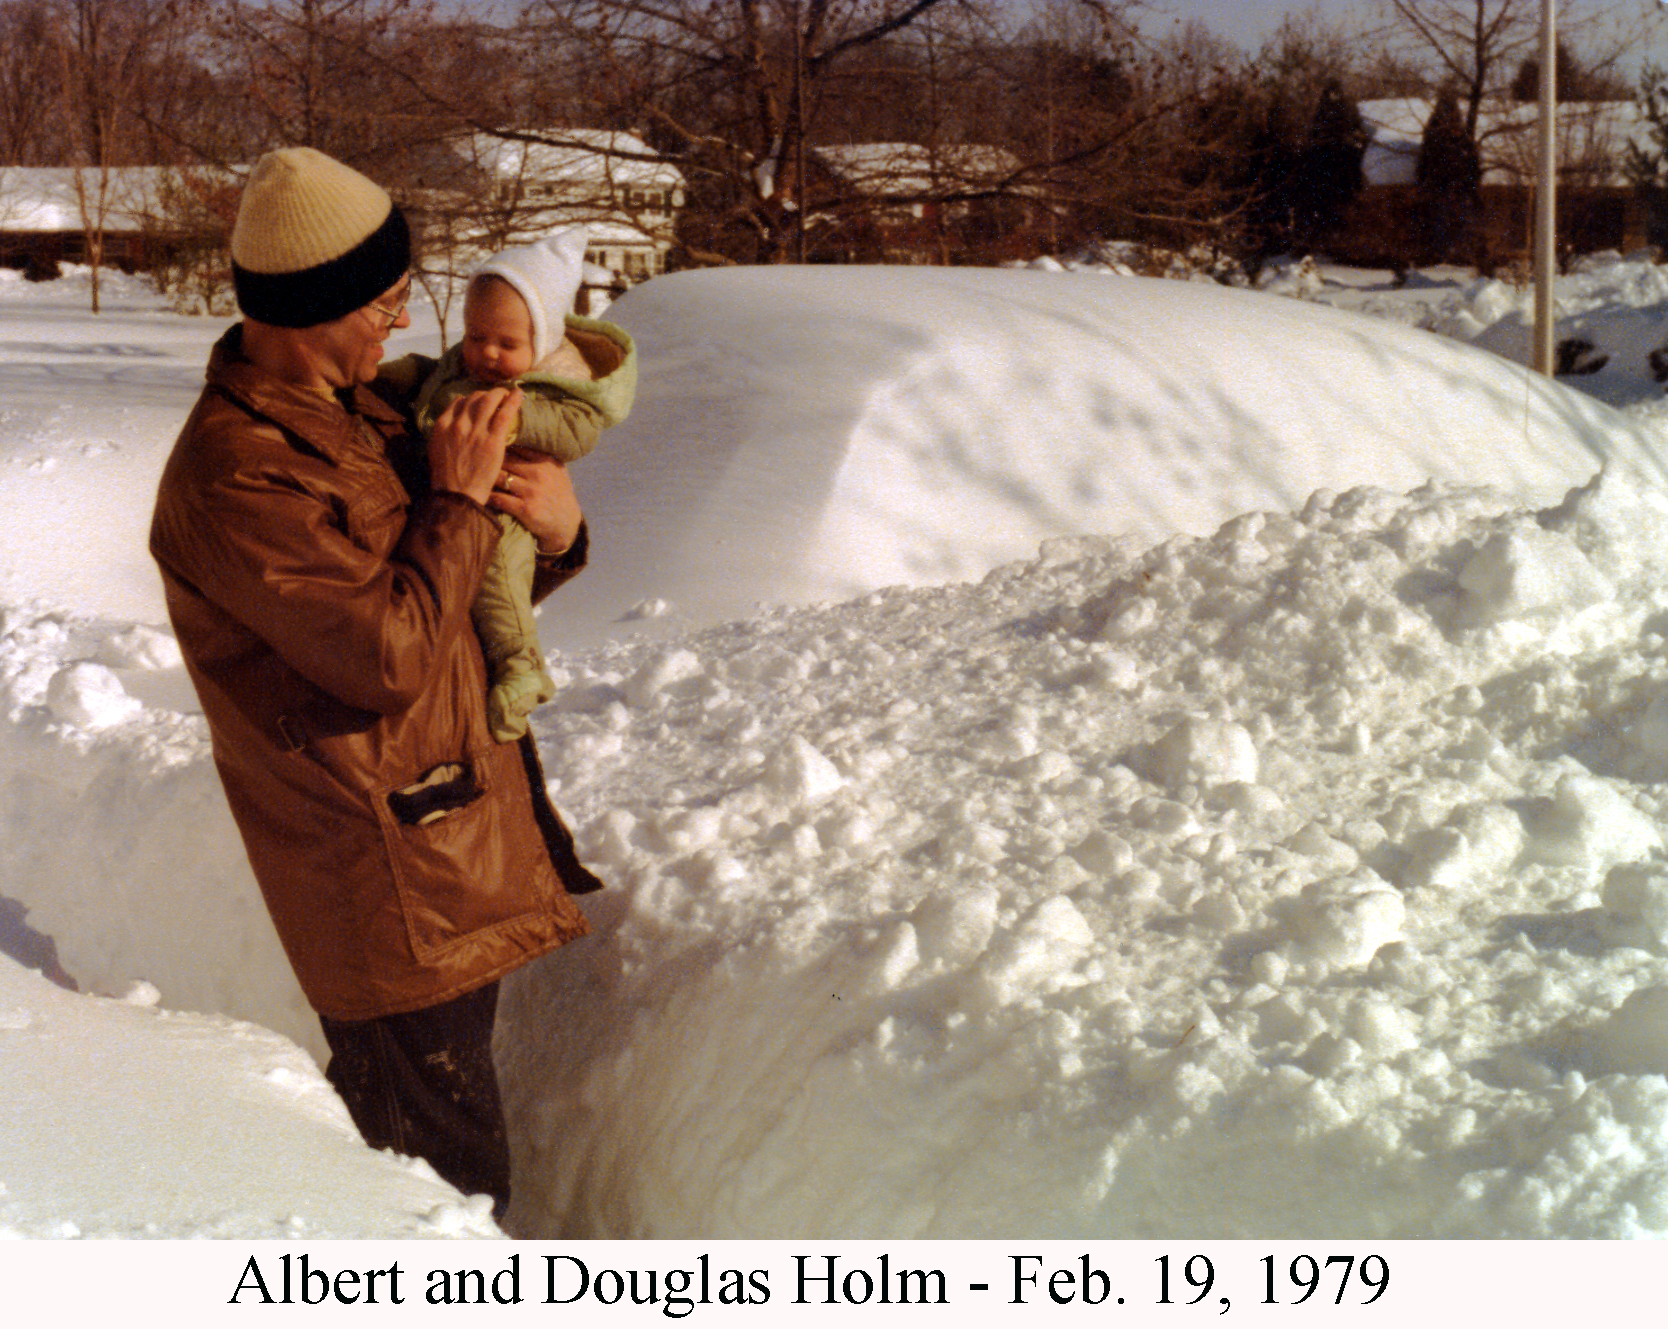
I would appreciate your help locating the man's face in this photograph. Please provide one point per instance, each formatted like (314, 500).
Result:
(350, 348)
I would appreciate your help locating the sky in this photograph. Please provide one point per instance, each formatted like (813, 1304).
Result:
(1247, 23)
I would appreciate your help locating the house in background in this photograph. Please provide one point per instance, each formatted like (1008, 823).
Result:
(138, 216)
(1598, 207)
(465, 197)
(911, 203)
(607, 180)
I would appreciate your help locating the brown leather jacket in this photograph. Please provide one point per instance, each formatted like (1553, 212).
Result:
(321, 597)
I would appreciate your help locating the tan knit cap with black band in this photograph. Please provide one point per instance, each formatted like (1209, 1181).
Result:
(314, 240)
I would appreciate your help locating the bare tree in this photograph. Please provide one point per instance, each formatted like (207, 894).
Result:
(342, 76)
(1130, 139)
(730, 89)
(1479, 46)
(113, 57)
(395, 88)
(29, 73)
(1472, 46)
(1480, 49)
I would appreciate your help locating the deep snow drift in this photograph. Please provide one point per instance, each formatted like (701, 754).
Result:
(1296, 875)
(812, 434)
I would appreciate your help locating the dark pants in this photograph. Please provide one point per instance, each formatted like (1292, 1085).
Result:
(423, 1084)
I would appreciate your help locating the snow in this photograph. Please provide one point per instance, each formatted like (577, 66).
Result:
(1598, 135)
(870, 429)
(908, 170)
(1295, 873)
(1198, 772)
(58, 198)
(82, 1161)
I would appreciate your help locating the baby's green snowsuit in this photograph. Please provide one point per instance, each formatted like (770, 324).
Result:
(562, 418)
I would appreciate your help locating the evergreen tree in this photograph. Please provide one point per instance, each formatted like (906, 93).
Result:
(1575, 82)
(1328, 174)
(1450, 177)
(1272, 183)
(1304, 172)
(1526, 83)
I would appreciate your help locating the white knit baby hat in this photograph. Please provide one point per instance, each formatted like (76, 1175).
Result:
(546, 274)
(314, 240)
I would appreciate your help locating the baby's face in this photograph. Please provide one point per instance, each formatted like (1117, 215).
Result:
(497, 333)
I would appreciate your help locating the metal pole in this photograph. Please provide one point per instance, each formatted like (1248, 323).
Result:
(1546, 198)
(799, 134)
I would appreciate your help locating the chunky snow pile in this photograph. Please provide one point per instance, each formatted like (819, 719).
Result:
(1610, 315)
(1306, 879)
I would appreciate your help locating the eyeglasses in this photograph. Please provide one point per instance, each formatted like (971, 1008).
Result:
(392, 315)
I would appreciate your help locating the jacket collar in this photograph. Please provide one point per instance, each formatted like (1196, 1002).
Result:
(326, 423)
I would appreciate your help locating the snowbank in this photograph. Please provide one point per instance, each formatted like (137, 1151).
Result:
(1246, 860)
(814, 434)
(1302, 880)
(121, 1119)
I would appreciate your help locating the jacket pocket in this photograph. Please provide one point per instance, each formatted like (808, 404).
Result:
(446, 789)
(457, 866)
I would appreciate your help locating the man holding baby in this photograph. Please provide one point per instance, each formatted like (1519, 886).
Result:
(320, 558)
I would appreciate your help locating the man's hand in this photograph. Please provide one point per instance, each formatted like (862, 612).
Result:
(466, 445)
(538, 492)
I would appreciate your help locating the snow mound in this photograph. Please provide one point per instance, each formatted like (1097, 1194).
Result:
(948, 420)
(1610, 324)
(91, 696)
(1349, 912)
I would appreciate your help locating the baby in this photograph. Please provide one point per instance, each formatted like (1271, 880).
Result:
(577, 375)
